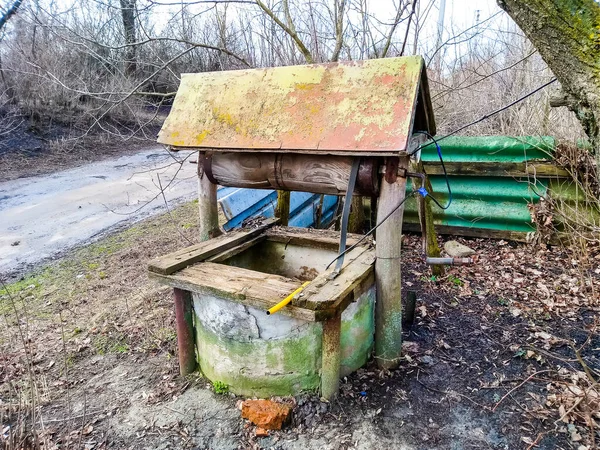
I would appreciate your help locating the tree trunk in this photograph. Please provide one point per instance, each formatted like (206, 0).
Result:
(567, 35)
(9, 13)
(128, 10)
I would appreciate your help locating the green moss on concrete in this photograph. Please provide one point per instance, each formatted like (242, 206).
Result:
(262, 367)
(357, 334)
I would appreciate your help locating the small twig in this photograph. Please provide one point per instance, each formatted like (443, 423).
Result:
(518, 386)
(450, 393)
(174, 410)
(80, 416)
(535, 443)
(586, 369)
(575, 405)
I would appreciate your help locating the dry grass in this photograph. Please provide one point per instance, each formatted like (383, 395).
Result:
(96, 301)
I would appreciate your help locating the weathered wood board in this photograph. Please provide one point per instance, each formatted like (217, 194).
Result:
(198, 269)
(175, 261)
(354, 108)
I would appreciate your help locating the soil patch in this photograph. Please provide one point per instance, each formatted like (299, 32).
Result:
(501, 355)
(34, 148)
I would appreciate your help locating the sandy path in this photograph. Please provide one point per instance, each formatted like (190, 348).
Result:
(42, 216)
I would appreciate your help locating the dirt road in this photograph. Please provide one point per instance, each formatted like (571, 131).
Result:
(43, 216)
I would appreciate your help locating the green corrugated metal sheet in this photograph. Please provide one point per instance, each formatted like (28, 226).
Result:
(492, 149)
(482, 202)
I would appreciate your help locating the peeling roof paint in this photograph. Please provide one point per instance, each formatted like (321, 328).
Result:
(360, 107)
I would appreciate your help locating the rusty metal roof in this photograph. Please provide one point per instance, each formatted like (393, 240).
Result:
(359, 107)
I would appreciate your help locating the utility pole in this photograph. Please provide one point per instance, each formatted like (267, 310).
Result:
(440, 34)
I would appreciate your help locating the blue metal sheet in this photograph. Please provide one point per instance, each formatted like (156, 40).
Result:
(240, 204)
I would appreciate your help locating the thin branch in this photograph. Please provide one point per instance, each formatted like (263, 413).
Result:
(8, 14)
(339, 29)
(399, 12)
(290, 30)
(412, 13)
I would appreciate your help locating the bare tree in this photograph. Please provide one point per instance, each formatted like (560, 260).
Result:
(9, 13)
(128, 14)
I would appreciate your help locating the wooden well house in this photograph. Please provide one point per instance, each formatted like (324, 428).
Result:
(340, 128)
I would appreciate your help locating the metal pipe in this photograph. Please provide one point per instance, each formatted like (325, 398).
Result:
(449, 261)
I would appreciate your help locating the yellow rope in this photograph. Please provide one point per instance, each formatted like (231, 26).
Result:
(286, 300)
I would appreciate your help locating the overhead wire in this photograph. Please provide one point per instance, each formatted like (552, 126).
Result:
(439, 152)
(423, 191)
(487, 116)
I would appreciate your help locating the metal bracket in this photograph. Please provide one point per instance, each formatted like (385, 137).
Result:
(206, 158)
(345, 216)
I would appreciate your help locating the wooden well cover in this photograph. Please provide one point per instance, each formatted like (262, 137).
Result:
(360, 108)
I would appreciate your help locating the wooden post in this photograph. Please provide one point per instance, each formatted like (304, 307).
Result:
(408, 316)
(185, 331)
(388, 308)
(373, 216)
(207, 204)
(331, 357)
(208, 228)
(283, 207)
(356, 221)
(431, 246)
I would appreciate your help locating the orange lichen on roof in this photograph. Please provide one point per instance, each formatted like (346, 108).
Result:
(352, 107)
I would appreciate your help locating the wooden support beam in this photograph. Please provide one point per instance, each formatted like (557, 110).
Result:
(180, 259)
(282, 211)
(291, 172)
(431, 246)
(356, 223)
(388, 308)
(207, 204)
(331, 357)
(185, 331)
(542, 169)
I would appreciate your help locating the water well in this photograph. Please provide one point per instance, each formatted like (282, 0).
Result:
(232, 281)
(338, 129)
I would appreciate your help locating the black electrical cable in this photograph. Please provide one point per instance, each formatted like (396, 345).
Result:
(487, 116)
(439, 152)
(372, 230)
(423, 191)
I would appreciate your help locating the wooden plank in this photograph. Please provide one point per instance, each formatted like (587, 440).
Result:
(366, 281)
(323, 293)
(519, 236)
(325, 239)
(220, 257)
(239, 285)
(340, 306)
(499, 169)
(175, 261)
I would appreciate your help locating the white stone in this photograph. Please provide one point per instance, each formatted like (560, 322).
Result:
(457, 250)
